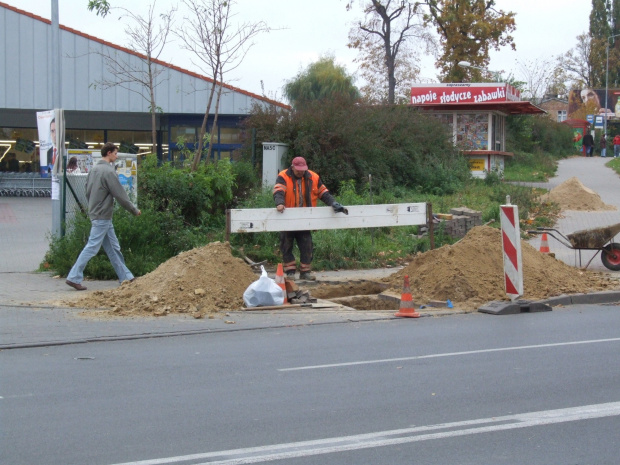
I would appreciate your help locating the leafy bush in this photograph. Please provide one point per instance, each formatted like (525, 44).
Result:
(199, 197)
(538, 134)
(397, 145)
(146, 241)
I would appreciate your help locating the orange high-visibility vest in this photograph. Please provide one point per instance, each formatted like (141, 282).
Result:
(311, 188)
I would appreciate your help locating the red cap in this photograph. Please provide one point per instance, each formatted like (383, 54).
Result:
(299, 164)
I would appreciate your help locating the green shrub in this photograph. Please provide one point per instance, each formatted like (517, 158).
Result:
(196, 196)
(146, 241)
(397, 145)
(538, 134)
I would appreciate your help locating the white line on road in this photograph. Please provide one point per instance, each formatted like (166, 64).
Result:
(449, 354)
(392, 437)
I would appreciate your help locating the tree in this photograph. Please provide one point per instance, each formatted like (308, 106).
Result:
(346, 141)
(538, 75)
(102, 7)
(604, 45)
(372, 65)
(600, 31)
(578, 62)
(322, 80)
(147, 39)
(559, 82)
(468, 29)
(219, 47)
(388, 26)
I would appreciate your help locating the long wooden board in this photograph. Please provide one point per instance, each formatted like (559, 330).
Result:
(315, 218)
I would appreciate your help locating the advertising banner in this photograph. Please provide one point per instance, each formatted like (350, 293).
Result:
(79, 161)
(46, 126)
(127, 170)
(596, 98)
(453, 93)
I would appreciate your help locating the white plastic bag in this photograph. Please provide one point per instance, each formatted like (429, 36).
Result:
(263, 292)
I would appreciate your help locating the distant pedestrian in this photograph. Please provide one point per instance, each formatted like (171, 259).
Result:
(102, 187)
(616, 143)
(588, 144)
(603, 145)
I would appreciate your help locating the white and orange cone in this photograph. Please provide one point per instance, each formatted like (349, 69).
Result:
(406, 303)
(544, 243)
(280, 281)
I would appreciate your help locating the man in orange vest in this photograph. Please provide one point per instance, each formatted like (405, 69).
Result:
(297, 186)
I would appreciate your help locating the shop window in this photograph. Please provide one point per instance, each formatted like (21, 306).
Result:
(472, 131)
(84, 138)
(188, 133)
(132, 141)
(21, 147)
(229, 135)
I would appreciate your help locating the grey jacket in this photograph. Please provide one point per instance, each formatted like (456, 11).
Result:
(102, 187)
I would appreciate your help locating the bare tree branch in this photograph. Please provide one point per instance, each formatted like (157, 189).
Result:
(147, 40)
(219, 47)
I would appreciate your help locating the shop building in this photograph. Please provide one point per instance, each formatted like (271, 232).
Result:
(95, 115)
(475, 114)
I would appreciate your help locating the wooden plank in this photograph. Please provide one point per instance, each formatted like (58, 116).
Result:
(315, 218)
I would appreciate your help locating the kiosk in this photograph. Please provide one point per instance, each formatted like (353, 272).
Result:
(475, 114)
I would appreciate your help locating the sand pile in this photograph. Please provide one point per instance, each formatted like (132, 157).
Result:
(200, 281)
(471, 273)
(573, 195)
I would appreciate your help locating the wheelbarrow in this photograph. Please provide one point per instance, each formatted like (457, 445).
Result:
(600, 239)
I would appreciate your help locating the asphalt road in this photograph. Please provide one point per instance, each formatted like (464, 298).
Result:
(540, 388)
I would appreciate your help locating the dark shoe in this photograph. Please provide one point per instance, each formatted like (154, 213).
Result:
(290, 275)
(307, 276)
(76, 286)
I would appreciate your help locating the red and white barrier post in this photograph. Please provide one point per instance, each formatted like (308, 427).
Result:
(511, 246)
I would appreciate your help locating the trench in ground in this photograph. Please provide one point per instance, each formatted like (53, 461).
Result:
(360, 295)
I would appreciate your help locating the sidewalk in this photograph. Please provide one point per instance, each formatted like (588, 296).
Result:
(592, 173)
(26, 321)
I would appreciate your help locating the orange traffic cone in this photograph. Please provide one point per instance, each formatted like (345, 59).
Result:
(406, 303)
(280, 281)
(544, 243)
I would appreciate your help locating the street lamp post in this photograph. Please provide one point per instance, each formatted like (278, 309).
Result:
(467, 64)
(607, 84)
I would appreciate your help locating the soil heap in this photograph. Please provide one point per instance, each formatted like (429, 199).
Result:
(200, 281)
(573, 195)
(470, 273)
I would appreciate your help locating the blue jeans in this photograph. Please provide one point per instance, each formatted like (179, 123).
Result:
(101, 234)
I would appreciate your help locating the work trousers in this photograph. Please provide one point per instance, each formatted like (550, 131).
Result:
(304, 242)
(101, 234)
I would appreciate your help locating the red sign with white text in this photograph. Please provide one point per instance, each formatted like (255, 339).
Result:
(447, 94)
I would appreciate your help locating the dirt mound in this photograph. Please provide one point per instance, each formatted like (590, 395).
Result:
(471, 273)
(573, 195)
(200, 281)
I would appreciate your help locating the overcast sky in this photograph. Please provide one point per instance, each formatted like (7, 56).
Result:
(307, 30)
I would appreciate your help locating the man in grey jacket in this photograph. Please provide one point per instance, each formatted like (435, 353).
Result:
(102, 187)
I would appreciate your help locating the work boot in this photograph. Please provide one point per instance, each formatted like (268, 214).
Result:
(307, 276)
(290, 275)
